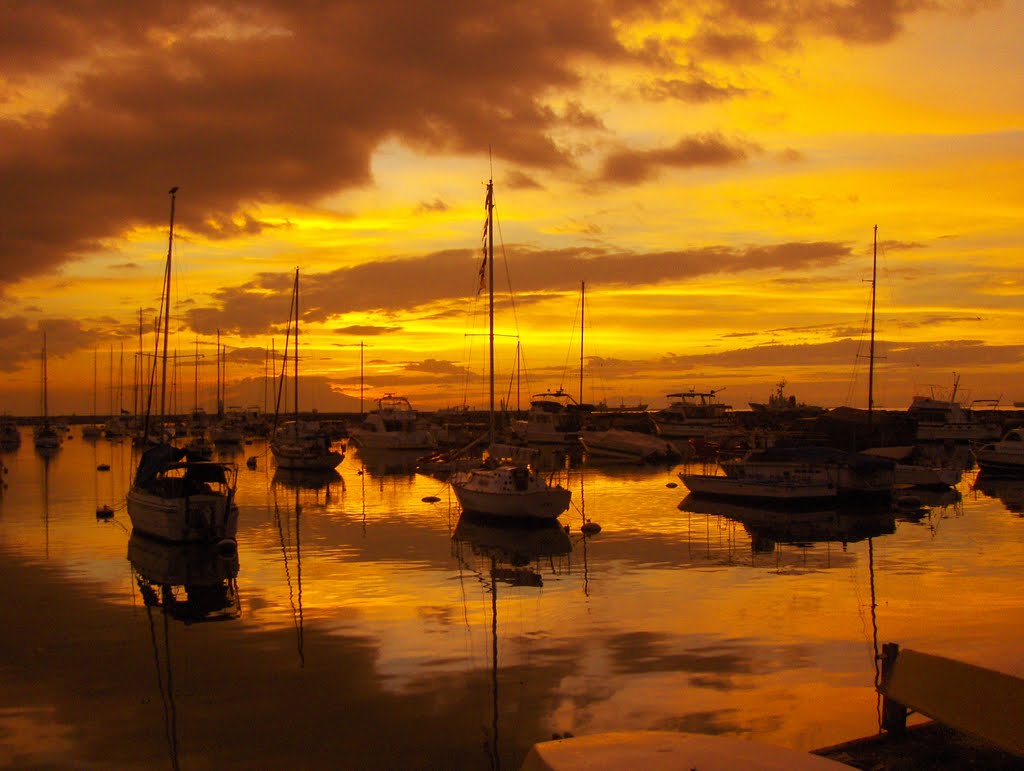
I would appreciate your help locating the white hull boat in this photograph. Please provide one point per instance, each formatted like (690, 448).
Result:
(304, 448)
(1003, 457)
(628, 445)
(759, 489)
(183, 502)
(512, 491)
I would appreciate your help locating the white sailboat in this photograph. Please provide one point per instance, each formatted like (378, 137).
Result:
(172, 497)
(501, 487)
(300, 444)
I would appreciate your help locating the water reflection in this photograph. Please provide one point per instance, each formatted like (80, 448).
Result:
(1009, 492)
(288, 520)
(192, 583)
(506, 553)
(769, 526)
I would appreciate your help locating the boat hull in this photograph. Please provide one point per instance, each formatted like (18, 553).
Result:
(194, 519)
(299, 461)
(509, 493)
(763, 490)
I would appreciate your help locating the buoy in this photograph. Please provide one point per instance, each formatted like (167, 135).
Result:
(104, 512)
(590, 528)
(672, 485)
(103, 467)
(430, 499)
(251, 462)
(227, 547)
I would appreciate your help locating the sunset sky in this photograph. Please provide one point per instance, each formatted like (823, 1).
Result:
(712, 170)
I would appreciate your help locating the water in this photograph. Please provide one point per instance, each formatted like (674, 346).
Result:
(364, 627)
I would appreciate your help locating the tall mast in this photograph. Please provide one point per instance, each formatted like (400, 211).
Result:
(583, 303)
(295, 310)
(167, 309)
(871, 347)
(94, 381)
(490, 296)
(46, 411)
(362, 346)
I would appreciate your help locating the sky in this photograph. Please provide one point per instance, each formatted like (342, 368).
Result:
(711, 171)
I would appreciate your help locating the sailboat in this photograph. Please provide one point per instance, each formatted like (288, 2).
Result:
(173, 497)
(46, 437)
(300, 444)
(502, 487)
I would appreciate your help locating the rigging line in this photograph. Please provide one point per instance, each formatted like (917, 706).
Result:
(508, 278)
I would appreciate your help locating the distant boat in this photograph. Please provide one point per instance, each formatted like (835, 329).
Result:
(622, 444)
(946, 420)
(300, 445)
(695, 414)
(502, 487)
(10, 437)
(554, 417)
(172, 497)
(798, 473)
(46, 437)
(781, 406)
(1005, 457)
(394, 425)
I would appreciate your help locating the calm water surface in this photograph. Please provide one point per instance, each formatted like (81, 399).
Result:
(360, 626)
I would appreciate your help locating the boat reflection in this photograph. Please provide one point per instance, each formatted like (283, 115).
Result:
(515, 549)
(1006, 490)
(191, 583)
(308, 479)
(769, 526)
(382, 462)
(513, 554)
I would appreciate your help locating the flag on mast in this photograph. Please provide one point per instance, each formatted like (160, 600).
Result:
(483, 238)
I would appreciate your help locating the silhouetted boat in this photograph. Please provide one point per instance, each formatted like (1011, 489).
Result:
(299, 444)
(500, 487)
(1005, 457)
(173, 497)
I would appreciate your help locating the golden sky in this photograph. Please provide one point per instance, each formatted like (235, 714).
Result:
(712, 170)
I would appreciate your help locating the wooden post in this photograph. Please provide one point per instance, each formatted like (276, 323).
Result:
(894, 714)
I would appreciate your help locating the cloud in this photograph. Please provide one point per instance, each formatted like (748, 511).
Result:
(632, 166)
(365, 330)
(271, 101)
(274, 101)
(260, 305)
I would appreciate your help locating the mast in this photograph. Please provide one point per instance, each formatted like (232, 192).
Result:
(94, 381)
(490, 297)
(583, 303)
(871, 347)
(167, 310)
(295, 310)
(46, 411)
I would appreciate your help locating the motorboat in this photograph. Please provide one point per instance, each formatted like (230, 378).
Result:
(788, 473)
(394, 425)
(1005, 457)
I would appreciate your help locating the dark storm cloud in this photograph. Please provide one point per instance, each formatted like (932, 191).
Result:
(106, 105)
(242, 103)
(390, 286)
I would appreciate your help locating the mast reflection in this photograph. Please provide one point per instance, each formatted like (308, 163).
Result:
(192, 583)
(514, 554)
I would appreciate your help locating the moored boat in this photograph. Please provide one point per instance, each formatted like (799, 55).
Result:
(1005, 457)
(172, 497)
(500, 487)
